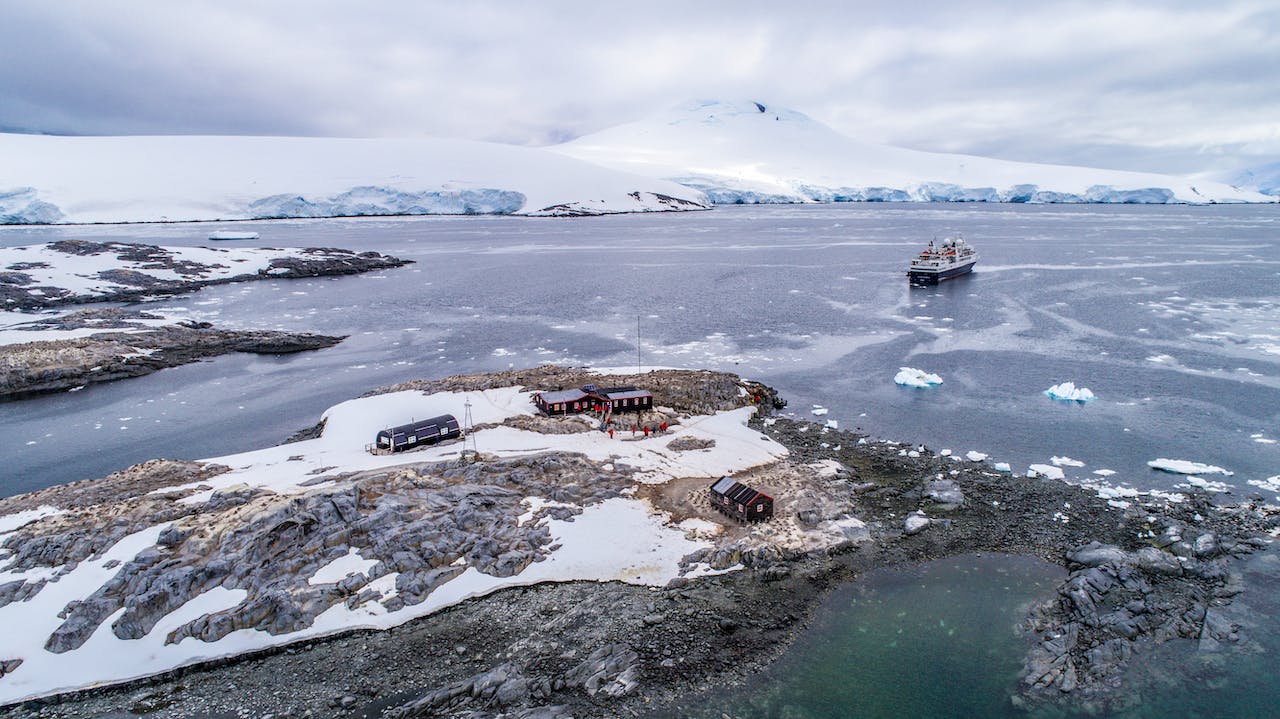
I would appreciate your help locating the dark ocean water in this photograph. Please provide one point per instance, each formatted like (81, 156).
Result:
(1170, 315)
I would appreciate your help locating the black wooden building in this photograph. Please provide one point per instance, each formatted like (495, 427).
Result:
(414, 434)
(740, 501)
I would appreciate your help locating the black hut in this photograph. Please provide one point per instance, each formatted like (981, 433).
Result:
(414, 434)
(740, 501)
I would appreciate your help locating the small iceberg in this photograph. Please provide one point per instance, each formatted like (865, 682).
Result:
(1182, 466)
(818, 410)
(1045, 470)
(975, 456)
(233, 235)
(1069, 392)
(912, 377)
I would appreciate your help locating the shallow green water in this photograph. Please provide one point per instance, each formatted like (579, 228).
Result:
(938, 640)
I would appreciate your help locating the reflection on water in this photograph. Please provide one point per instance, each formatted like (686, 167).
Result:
(935, 640)
(938, 640)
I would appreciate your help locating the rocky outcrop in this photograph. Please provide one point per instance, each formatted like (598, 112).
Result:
(130, 284)
(612, 670)
(1116, 603)
(418, 524)
(58, 365)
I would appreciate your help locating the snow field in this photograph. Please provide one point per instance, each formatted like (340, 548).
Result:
(588, 545)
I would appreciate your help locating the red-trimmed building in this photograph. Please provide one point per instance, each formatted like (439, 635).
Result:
(740, 501)
(590, 398)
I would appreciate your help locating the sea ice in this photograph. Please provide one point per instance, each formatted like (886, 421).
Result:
(912, 377)
(1182, 466)
(975, 456)
(1067, 391)
(1044, 470)
(1002, 467)
(818, 410)
(1271, 484)
(1065, 462)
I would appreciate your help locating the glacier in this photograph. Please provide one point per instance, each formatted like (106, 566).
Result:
(50, 179)
(374, 200)
(22, 206)
(754, 153)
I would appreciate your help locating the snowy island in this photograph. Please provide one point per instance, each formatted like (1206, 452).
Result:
(45, 346)
(689, 158)
(616, 586)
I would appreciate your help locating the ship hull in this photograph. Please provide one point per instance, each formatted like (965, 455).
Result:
(922, 277)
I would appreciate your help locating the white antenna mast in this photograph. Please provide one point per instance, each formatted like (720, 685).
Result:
(468, 434)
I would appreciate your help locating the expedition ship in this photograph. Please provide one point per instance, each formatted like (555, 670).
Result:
(942, 261)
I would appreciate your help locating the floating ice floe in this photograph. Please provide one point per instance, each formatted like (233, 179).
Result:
(1045, 470)
(1002, 467)
(1182, 466)
(818, 410)
(912, 377)
(1068, 392)
(233, 235)
(1271, 484)
(1208, 485)
(975, 456)
(1065, 462)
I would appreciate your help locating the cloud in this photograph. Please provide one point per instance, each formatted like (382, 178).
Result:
(1176, 85)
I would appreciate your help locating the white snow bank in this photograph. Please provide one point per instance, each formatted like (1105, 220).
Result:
(912, 377)
(10, 522)
(341, 568)
(47, 179)
(1182, 466)
(1068, 392)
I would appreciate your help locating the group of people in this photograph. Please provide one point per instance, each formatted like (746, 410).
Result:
(636, 429)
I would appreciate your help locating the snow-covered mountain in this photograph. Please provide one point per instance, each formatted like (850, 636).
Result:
(751, 152)
(157, 178)
(1262, 178)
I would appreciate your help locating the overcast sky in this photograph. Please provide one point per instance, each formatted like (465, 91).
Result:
(1164, 86)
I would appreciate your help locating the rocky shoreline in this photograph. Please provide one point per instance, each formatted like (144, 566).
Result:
(145, 271)
(1139, 576)
(124, 346)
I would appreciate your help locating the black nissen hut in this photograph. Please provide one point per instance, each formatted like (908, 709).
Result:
(740, 501)
(426, 431)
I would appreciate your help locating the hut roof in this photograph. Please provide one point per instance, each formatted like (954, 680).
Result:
(565, 395)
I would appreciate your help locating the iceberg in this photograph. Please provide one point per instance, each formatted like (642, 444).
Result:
(1068, 392)
(1182, 466)
(912, 377)
(1045, 470)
